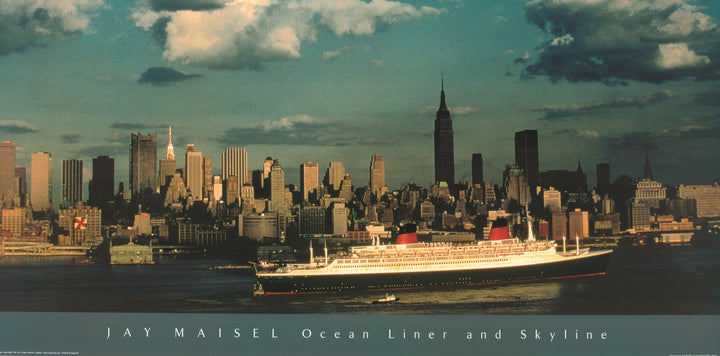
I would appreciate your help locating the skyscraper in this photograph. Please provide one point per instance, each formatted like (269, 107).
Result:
(516, 185)
(265, 182)
(102, 185)
(207, 178)
(234, 163)
(168, 165)
(277, 187)
(72, 182)
(377, 176)
(603, 175)
(526, 156)
(309, 182)
(194, 172)
(477, 168)
(41, 181)
(444, 146)
(21, 185)
(7, 173)
(334, 175)
(143, 163)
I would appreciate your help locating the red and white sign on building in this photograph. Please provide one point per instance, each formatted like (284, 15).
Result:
(80, 223)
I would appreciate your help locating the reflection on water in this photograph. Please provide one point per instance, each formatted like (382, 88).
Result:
(638, 281)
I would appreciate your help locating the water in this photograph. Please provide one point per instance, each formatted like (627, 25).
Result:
(639, 280)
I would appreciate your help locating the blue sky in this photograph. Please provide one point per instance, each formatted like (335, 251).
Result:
(320, 81)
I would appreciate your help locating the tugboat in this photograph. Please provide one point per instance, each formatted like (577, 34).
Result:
(389, 298)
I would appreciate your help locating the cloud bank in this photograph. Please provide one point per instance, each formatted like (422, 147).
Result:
(570, 110)
(610, 40)
(17, 127)
(246, 34)
(28, 23)
(298, 130)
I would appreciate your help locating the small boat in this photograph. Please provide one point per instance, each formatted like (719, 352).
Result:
(389, 298)
(214, 268)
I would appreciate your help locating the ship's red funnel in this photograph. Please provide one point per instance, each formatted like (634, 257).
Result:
(499, 230)
(407, 234)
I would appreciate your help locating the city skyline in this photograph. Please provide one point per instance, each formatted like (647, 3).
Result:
(324, 90)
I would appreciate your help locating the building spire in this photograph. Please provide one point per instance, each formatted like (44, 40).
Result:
(647, 170)
(170, 151)
(443, 106)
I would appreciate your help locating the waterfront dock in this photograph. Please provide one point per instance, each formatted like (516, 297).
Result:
(10, 248)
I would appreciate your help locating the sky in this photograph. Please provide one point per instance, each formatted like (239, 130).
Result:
(340, 80)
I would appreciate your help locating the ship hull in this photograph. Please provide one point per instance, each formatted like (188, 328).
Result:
(588, 265)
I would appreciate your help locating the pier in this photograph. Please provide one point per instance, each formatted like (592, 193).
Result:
(12, 248)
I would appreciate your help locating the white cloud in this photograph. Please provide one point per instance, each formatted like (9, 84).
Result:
(678, 55)
(26, 23)
(328, 55)
(289, 123)
(588, 134)
(244, 34)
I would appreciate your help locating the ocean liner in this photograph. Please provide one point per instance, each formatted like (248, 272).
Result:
(409, 264)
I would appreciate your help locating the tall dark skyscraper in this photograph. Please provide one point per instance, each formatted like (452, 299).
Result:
(143, 162)
(603, 175)
(72, 182)
(102, 185)
(526, 156)
(444, 147)
(477, 168)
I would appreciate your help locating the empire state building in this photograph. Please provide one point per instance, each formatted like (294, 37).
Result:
(444, 151)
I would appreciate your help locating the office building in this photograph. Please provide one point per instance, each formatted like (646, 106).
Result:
(650, 192)
(444, 146)
(311, 220)
(516, 185)
(377, 176)
(707, 198)
(477, 168)
(339, 219)
(603, 175)
(168, 165)
(194, 172)
(526, 156)
(277, 188)
(102, 184)
(552, 200)
(71, 182)
(309, 181)
(559, 226)
(82, 223)
(7, 173)
(21, 185)
(207, 179)
(234, 163)
(334, 176)
(571, 182)
(143, 163)
(41, 191)
(217, 188)
(578, 224)
(639, 211)
(13, 222)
